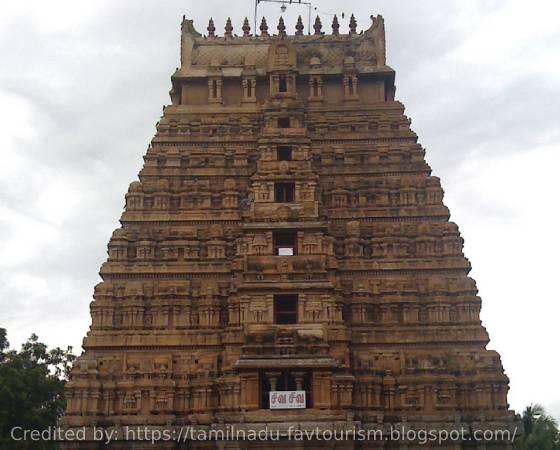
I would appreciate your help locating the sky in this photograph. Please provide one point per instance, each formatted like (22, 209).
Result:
(82, 85)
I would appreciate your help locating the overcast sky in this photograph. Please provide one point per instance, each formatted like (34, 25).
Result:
(82, 84)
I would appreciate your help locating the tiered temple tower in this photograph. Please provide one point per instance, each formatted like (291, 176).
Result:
(286, 234)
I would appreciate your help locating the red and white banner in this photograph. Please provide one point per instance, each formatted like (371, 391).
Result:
(286, 399)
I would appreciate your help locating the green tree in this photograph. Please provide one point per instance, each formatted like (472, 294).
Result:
(4, 344)
(31, 389)
(540, 430)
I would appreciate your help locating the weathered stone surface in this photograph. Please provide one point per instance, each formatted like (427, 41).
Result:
(275, 144)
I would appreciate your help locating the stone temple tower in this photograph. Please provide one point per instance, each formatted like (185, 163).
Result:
(285, 260)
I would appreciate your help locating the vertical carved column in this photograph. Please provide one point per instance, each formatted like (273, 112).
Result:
(274, 80)
(350, 83)
(335, 400)
(291, 84)
(214, 89)
(84, 404)
(315, 88)
(249, 391)
(94, 403)
(219, 89)
(298, 378)
(389, 387)
(321, 389)
(272, 377)
(106, 400)
(249, 90)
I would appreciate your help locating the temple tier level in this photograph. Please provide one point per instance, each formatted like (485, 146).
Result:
(286, 259)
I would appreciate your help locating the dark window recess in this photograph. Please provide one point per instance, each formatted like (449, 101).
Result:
(284, 192)
(351, 85)
(283, 122)
(285, 308)
(282, 84)
(284, 153)
(265, 389)
(285, 381)
(284, 243)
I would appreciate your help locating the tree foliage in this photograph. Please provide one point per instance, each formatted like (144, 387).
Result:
(31, 389)
(540, 430)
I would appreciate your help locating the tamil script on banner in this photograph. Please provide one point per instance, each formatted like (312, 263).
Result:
(287, 399)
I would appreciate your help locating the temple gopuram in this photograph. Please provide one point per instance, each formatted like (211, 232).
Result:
(285, 262)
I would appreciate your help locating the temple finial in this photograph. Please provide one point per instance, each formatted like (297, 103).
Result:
(228, 28)
(211, 28)
(246, 27)
(264, 27)
(335, 25)
(281, 27)
(299, 27)
(353, 24)
(317, 25)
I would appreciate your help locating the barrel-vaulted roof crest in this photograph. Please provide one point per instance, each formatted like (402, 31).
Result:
(366, 47)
